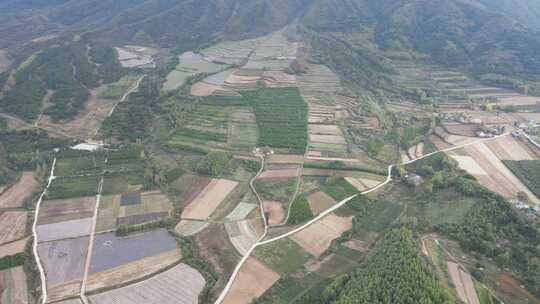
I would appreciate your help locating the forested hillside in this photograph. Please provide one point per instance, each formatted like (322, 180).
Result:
(394, 273)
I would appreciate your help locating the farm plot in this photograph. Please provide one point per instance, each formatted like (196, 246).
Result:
(282, 119)
(181, 284)
(208, 200)
(132, 56)
(363, 184)
(241, 211)
(498, 177)
(231, 52)
(189, 65)
(242, 235)
(79, 163)
(54, 211)
(252, 281)
(12, 226)
(111, 251)
(244, 132)
(132, 209)
(510, 148)
(463, 283)
(64, 230)
(13, 247)
(320, 201)
(207, 126)
(317, 238)
(190, 187)
(13, 288)
(280, 173)
(63, 262)
(82, 186)
(275, 212)
(283, 256)
(190, 227)
(16, 195)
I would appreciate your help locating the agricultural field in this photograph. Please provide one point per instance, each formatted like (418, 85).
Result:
(281, 118)
(13, 288)
(253, 280)
(116, 259)
(190, 64)
(63, 188)
(284, 256)
(180, 284)
(13, 248)
(481, 161)
(528, 172)
(133, 56)
(132, 208)
(55, 211)
(16, 195)
(63, 262)
(13, 225)
(204, 204)
(320, 201)
(316, 239)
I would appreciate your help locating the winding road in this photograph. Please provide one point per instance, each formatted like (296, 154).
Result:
(261, 240)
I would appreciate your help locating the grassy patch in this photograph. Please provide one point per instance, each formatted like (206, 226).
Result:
(300, 211)
(284, 256)
(276, 191)
(338, 188)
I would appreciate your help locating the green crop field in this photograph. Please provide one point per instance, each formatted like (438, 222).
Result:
(73, 187)
(281, 117)
(528, 171)
(284, 256)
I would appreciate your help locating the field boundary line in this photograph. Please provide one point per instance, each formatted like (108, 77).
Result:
(42, 276)
(330, 210)
(91, 242)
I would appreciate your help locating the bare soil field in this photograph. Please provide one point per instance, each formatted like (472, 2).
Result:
(13, 288)
(54, 211)
(181, 284)
(463, 284)
(241, 211)
(133, 270)
(190, 186)
(252, 281)
(111, 251)
(12, 226)
(285, 159)
(280, 174)
(64, 230)
(317, 238)
(208, 200)
(324, 129)
(362, 184)
(499, 178)
(13, 247)
(331, 139)
(202, 88)
(15, 196)
(509, 148)
(320, 201)
(275, 212)
(63, 262)
(468, 164)
(462, 129)
(356, 245)
(510, 287)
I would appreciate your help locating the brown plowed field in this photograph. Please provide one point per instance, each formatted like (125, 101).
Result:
(280, 174)
(191, 186)
(203, 89)
(208, 200)
(252, 281)
(509, 148)
(54, 211)
(132, 271)
(13, 247)
(320, 201)
(15, 196)
(317, 238)
(12, 226)
(274, 212)
(13, 288)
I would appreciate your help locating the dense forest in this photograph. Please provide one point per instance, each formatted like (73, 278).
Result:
(393, 273)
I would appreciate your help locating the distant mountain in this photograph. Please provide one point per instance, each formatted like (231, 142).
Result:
(487, 36)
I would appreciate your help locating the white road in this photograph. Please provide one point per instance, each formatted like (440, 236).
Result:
(261, 241)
